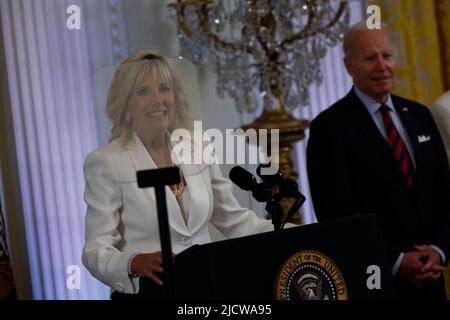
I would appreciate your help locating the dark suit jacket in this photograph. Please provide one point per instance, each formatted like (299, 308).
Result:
(352, 171)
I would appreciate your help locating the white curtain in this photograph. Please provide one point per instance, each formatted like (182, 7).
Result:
(50, 70)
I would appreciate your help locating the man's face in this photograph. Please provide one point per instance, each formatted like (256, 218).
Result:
(371, 62)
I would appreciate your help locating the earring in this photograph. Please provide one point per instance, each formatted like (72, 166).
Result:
(127, 117)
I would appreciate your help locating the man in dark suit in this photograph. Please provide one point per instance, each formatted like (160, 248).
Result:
(374, 152)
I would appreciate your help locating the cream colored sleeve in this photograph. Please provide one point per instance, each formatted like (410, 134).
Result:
(104, 200)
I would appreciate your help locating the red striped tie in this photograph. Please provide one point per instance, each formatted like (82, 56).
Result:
(398, 147)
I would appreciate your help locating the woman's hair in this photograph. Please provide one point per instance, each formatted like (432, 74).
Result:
(130, 74)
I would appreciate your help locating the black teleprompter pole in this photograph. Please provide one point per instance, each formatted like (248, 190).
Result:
(159, 178)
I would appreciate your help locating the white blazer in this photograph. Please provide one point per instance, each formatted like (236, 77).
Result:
(121, 218)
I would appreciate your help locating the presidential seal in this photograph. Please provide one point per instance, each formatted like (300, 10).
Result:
(309, 275)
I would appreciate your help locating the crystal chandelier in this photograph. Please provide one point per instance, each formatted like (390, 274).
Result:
(264, 51)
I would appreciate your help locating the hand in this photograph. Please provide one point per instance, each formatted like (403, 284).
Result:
(146, 264)
(431, 270)
(411, 265)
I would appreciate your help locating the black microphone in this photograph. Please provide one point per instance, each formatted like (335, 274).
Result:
(274, 179)
(262, 192)
(288, 188)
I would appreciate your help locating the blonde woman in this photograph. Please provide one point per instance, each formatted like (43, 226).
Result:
(145, 104)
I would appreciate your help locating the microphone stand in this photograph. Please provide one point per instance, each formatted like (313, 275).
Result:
(164, 234)
(276, 211)
(274, 208)
(159, 178)
(300, 199)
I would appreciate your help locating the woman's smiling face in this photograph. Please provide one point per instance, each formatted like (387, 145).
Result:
(152, 105)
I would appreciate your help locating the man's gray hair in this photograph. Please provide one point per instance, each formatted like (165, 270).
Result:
(357, 27)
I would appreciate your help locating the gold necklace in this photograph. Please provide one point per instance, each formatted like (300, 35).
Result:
(178, 190)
